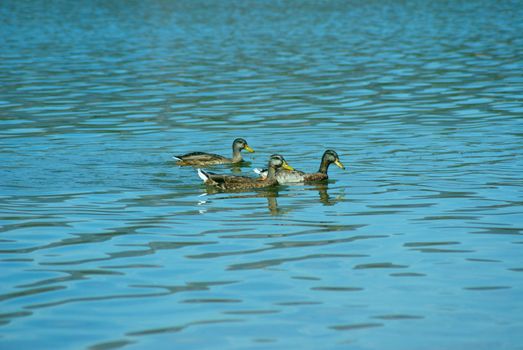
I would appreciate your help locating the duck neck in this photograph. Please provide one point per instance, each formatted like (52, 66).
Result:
(271, 175)
(236, 155)
(324, 165)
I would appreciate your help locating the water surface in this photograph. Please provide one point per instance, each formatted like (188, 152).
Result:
(105, 243)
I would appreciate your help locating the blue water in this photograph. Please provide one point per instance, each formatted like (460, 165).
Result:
(105, 243)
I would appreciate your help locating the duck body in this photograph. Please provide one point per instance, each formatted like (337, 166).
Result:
(201, 159)
(295, 176)
(284, 176)
(232, 182)
(299, 176)
(208, 159)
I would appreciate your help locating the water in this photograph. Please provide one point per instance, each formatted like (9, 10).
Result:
(107, 244)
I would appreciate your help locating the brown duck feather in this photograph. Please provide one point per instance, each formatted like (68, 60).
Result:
(201, 159)
(205, 159)
(232, 182)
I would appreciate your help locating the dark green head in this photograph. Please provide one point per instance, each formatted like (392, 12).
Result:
(328, 158)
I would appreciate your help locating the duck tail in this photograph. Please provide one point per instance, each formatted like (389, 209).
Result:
(177, 158)
(261, 172)
(203, 175)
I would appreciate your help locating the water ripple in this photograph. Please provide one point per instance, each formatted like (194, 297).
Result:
(418, 241)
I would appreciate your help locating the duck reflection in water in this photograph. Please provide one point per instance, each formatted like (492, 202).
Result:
(323, 196)
(272, 193)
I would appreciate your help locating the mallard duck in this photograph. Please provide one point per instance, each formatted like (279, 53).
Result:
(231, 182)
(204, 159)
(284, 176)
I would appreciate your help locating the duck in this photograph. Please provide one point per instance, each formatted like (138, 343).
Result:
(232, 182)
(205, 159)
(295, 176)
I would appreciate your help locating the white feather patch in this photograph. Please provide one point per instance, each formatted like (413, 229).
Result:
(203, 175)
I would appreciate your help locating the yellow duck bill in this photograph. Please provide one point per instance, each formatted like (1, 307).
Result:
(286, 166)
(339, 164)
